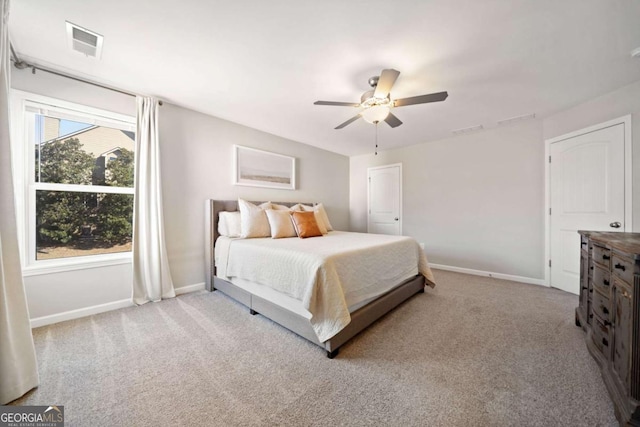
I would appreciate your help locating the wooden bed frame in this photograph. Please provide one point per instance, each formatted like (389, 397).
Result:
(360, 319)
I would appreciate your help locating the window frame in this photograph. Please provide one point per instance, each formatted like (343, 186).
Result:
(26, 186)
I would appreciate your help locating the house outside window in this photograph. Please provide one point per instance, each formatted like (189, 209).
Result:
(78, 184)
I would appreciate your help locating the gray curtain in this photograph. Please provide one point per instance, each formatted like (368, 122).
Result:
(151, 275)
(18, 367)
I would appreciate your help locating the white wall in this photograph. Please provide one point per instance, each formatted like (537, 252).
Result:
(196, 162)
(475, 200)
(613, 105)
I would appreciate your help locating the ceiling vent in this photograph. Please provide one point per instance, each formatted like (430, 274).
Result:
(84, 41)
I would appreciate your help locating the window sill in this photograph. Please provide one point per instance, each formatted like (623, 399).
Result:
(76, 263)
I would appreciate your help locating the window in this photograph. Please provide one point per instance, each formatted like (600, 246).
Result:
(79, 166)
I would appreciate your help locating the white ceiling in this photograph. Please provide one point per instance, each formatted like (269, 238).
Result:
(263, 63)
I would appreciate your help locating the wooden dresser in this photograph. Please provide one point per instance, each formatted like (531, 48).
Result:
(609, 311)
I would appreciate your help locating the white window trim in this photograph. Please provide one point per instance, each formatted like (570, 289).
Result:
(25, 191)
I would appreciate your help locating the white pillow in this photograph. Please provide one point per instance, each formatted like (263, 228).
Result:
(280, 223)
(322, 214)
(253, 219)
(229, 224)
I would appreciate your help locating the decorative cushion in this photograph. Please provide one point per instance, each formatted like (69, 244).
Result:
(304, 208)
(229, 224)
(305, 224)
(280, 223)
(320, 209)
(320, 223)
(323, 215)
(253, 219)
(280, 207)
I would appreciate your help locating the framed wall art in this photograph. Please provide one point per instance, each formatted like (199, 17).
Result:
(258, 168)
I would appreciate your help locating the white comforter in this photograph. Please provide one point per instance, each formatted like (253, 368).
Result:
(327, 274)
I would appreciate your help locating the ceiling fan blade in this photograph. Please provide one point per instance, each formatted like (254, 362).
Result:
(393, 121)
(339, 104)
(385, 83)
(348, 122)
(421, 99)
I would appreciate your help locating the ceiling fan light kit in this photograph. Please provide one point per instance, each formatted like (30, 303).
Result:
(376, 104)
(376, 113)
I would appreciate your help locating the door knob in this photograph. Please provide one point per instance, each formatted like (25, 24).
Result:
(395, 219)
(615, 225)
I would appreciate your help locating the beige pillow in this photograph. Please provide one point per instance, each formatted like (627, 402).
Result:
(253, 219)
(229, 224)
(305, 224)
(280, 223)
(280, 207)
(319, 208)
(321, 225)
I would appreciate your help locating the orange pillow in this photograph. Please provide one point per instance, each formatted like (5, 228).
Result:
(305, 224)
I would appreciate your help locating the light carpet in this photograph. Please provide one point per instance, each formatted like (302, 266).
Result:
(473, 351)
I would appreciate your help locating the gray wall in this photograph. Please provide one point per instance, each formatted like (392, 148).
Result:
(196, 165)
(475, 200)
(613, 105)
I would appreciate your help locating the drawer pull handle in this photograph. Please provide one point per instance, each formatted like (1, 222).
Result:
(591, 316)
(606, 282)
(591, 290)
(606, 257)
(584, 287)
(605, 310)
(620, 267)
(591, 268)
(605, 342)
(583, 244)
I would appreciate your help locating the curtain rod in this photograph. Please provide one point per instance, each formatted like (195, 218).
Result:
(21, 65)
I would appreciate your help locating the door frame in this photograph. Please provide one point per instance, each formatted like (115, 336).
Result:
(628, 181)
(369, 193)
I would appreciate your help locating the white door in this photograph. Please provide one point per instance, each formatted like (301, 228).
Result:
(587, 186)
(385, 200)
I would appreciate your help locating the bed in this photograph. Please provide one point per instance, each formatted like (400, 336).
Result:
(326, 298)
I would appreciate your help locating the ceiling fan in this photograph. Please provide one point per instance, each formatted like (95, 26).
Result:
(376, 104)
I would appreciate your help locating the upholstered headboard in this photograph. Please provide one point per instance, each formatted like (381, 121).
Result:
(212, 212)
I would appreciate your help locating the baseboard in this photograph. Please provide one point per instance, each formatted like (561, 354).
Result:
(101, 308)
(80, 312)
(189, 288)
(521, 279)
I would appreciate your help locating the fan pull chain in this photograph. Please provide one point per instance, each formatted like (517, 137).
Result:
(376, 138)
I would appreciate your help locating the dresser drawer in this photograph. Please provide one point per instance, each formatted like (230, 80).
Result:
(601, 255)
(601, 279)
(623, 268)
(600, 336)
(601, 306)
